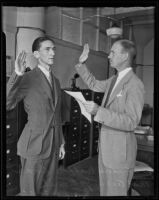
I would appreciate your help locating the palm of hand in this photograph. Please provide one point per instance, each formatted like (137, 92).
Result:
(84, 54)
(20, 63)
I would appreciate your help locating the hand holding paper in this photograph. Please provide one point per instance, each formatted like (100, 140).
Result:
(91, 107)
(81, 101)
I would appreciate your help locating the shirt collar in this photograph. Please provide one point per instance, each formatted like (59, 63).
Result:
(44, 70)
(124, 72)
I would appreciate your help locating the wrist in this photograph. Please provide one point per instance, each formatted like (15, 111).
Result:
(62, 145)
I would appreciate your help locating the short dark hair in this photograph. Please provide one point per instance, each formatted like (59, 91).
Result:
(128, 46)
(37, 42)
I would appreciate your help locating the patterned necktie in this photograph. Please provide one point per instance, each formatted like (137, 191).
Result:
(110, 89)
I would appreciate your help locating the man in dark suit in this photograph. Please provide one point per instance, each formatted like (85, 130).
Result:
(41, 143)
(118, 116)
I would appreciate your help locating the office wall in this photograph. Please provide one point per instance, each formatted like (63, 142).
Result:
(67, 55)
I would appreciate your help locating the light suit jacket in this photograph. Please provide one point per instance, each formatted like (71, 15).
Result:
(44, 115)
(119, 117)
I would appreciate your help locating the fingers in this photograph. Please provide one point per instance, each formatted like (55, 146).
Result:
(86, 48)
(61, 156)
(84, 54)
(22, 57)
(20, 64)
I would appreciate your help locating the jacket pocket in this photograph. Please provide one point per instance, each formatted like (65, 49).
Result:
(119, 148)
(35, 143)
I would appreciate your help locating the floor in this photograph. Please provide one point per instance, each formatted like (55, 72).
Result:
(80, 179)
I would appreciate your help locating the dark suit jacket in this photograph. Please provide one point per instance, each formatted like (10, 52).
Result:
(44, 115)
(119, 117)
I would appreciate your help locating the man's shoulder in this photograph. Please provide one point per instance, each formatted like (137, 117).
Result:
(137, 81)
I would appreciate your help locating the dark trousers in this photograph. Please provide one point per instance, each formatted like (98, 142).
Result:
(39, 176)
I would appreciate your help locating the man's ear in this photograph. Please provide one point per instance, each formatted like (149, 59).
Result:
(36, 54)
(126, 56)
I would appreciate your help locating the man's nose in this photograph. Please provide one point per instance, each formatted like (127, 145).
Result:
(52, 52)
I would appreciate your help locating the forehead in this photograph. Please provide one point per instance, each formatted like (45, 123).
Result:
(47, 43)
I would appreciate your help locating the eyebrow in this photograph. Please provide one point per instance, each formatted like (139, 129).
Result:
(54, 48)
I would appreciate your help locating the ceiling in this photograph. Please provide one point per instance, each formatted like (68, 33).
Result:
(134, 15)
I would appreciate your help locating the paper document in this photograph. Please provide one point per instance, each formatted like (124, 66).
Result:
(80, 99)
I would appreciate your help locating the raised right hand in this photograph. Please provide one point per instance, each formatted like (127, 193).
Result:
(20, 63)
(83, 57)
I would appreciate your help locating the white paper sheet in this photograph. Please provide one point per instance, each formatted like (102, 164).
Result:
(80, 99)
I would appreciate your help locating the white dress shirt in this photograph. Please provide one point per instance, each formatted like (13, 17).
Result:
(120, 76)
(46, 73)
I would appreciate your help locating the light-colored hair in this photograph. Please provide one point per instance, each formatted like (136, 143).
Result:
(128, 46)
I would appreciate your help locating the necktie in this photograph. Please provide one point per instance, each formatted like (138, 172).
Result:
(110, 89)
(51, 78)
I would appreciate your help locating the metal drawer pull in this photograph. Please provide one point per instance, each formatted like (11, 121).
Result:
(8, 126)
(74, 145)
(8, 176)
(8, 151)
(75, 128)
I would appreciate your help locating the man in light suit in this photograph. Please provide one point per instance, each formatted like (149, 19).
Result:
(118, 115)
(41, 143)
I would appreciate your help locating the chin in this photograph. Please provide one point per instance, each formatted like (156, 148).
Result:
(50, 63)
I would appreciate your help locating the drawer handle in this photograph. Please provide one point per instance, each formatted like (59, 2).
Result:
(8, 176)
(85, 141)
(75, 111)
(8, 126)
(74, 145)
(8, 151)
(75, 128)
(9, 135)
(9, 183)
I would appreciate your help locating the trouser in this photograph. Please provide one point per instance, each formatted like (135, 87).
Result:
(114, 182)
(39, 176)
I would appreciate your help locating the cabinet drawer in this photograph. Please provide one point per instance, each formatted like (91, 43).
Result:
(87, 94)
(12, 178)
(73, 146)
(11, 131)
(75, 113)
(95, 146)
(12, 114)
(85, 133)
(98, 97)
(11, 154)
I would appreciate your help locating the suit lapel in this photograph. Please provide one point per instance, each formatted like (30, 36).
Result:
(45, 85)
(120, 86)
(107, 90)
